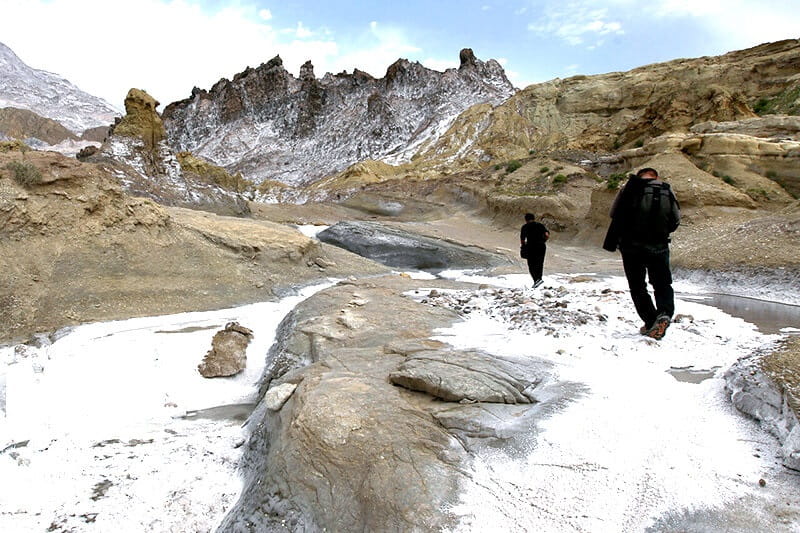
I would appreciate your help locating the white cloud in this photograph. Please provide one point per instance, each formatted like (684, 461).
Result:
(439, 64)
(378, 48)
(168, 46)
(736, 23)
(575, 22)
(302, 32)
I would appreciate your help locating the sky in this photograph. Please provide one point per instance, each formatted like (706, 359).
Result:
(167, 47)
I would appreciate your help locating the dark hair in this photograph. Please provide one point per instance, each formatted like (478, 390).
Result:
(529, 217)
(646, 170)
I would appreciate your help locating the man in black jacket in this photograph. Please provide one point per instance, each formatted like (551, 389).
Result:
(644, 214)
(532, 239)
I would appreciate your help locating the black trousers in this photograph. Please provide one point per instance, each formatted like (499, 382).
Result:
(653, 262)
(536, 254)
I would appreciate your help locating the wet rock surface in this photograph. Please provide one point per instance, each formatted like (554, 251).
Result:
(351, 451)
(465, 376)
(402, 249)
(754, 393)
(228, 354)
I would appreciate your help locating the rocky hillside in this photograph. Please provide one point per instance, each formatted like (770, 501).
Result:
(137, 153)
(268, 124)
(24, 87)
(25, 124)
(74, 247)
(620, 110)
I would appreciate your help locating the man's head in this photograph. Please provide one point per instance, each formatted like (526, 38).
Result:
(529, 217)
(647, 173)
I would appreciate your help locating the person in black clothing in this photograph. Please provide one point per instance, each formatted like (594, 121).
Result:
(532, 238)
(644, 214)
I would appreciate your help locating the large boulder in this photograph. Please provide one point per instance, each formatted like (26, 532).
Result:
(349, 451)
(228, 354)
(465, 376)
(402, 249)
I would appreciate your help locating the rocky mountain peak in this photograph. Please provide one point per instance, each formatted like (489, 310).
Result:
(50, 95)
(267, 124)
(467, 58)
(307, 72)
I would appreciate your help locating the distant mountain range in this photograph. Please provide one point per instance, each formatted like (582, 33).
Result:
(267, 124)
(50, 96)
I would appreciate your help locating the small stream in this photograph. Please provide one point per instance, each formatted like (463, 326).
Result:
(769, 317)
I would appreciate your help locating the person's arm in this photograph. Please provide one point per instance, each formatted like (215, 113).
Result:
(546, 235)
(522, 236)
(675, 212)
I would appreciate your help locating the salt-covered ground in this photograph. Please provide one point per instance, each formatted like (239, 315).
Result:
(94, 432)
(639, 448)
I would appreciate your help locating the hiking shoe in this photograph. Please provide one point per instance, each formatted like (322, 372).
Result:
(537, 283)
(659, 328)
(644, 329)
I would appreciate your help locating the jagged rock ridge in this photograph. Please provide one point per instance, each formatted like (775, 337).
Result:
(27, 88)
(268, 124)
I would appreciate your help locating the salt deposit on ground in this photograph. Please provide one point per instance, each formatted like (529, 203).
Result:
(638, 444)
(92, 432)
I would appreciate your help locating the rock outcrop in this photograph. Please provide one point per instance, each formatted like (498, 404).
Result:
(267, 124)
(756, 392)
(136, 150)
(617, 110)
(349, 451)
(228, 354)
(141, 121)
(74, 247)
(402, 249)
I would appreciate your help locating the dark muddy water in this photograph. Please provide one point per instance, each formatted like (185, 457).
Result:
(769, 317)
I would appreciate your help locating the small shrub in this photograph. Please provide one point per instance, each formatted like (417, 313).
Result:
(761, 106)
(729, 180)
(617, 144)
(14, 146)
(531, 151)
(755, 194)
(639, 143)
(498, 166)
(559, 179)
(715, 174)
(513, 165)
(614, 180)
(771, 174)
(544, 169)
(24, 174)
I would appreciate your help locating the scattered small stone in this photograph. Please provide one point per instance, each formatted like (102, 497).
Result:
(434, 294)
(323, 263)
(99, 491)
(762, 482)
(278, 395)
(683, 318)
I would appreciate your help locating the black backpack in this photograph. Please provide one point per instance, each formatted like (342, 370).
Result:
(653, 215)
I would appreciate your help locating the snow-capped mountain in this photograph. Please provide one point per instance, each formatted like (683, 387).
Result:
(267, 124)
(50, 95)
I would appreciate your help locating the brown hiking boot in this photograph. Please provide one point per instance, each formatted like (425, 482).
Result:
(659, 328)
